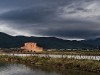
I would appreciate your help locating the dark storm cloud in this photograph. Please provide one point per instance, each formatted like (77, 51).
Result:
(26, 15)
(37, 10)
(60, 18)
(87, 34)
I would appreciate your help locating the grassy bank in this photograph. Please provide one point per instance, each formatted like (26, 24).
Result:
(77, 52)
(65, 63)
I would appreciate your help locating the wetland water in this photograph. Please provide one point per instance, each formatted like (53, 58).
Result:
(20, 69)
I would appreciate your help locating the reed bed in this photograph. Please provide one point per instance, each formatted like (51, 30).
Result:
(65, 63)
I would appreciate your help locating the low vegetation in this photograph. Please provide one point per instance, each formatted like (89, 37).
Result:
(65, 63)
(56, 52)
(71, 52)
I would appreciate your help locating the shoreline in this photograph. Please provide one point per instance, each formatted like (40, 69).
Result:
(86, 57)
(65, 63)
(57, 52)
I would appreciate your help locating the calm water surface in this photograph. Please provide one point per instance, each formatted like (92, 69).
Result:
(19, 69)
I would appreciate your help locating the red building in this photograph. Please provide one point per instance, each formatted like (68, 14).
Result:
(32, 47)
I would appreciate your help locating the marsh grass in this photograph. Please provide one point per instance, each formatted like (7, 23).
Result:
(65, 63)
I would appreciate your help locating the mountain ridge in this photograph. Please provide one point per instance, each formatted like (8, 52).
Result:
(8, 41)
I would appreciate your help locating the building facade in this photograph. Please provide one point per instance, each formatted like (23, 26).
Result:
(31, 47)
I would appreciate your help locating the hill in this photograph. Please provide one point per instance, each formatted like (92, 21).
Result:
(8, 41)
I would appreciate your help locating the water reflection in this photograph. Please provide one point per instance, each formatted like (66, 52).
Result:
(19, 69)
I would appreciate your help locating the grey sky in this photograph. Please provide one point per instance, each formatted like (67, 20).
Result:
(69, 19)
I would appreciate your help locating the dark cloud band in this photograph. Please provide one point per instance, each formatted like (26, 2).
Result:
(60, 18)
